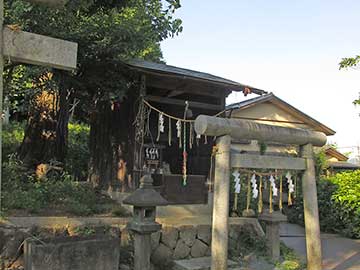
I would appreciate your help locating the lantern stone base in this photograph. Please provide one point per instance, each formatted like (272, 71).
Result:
(272, 221)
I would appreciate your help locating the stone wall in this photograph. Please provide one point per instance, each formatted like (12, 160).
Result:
(80, 253)
(12, 239)
(193, 241)
(174, 242)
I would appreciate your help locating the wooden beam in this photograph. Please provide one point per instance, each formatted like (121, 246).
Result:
(50, 3)
(175, 93)
(268, 162)
(35, 49)
(178, 102)
(186, 85)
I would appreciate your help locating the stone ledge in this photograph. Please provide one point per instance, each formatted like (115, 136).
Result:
(23, 222)
(203, 263)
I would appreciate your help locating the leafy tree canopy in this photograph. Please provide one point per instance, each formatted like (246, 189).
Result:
(351, 62)
(107, 32)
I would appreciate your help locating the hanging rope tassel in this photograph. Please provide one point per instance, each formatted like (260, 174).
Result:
(178, 131)
(191, 135)
(161, 127)
(271, 199)
(169, 132)
(235, 202)
(248, 197)
(237, 188)
(281, 192)
(291, 188)
(198, 137)
(184, 158)
(290, 200)
(260, 202)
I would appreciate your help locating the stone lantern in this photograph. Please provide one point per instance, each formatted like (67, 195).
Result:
(272, 221)
(144, 200)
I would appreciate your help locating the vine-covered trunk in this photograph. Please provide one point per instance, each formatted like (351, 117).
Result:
(46, 131)
(111, 144)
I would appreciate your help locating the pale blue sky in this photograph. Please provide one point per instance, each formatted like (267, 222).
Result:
(291, 48)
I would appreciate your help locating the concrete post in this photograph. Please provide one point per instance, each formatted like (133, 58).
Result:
(220, 222)
(311, 213)
(142, 248)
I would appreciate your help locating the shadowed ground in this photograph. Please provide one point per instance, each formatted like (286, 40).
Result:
(339, 253)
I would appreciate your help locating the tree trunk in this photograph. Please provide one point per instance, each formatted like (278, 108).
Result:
(111, 133)
(45, 136)
(62, 125)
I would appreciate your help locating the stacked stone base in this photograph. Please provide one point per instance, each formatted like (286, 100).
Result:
(192, 241)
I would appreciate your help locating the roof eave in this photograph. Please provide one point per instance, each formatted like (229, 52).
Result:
(270, 97)
(235, 86)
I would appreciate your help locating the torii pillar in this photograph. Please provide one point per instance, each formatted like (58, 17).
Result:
(25, 47)
(225, 129)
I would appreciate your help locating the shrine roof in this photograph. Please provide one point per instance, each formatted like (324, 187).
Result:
(270, 97)
(182, 73)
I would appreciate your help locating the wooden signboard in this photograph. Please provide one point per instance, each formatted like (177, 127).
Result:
(152, 156)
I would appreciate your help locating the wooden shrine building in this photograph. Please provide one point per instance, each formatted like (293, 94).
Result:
(163, 126)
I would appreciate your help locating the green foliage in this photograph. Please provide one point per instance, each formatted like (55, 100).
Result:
(84, 231)
(78, 155)
(351, 62)
(77, 158)
(18, 87)
(339, 204)
(107, 32)
(120, 211)
(262, 147)
(251, 242)
(321, 163)
(12, 136)
(291, 260)
(21, 190)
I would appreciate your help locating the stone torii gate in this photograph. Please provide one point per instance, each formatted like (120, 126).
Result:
(225, 129)
(25, 47)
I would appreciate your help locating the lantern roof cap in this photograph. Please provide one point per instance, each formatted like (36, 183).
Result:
(145, 196)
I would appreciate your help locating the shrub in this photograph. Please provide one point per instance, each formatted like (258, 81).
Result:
(339, 204)
(78, 154)
(12, 136)
(22, 190)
